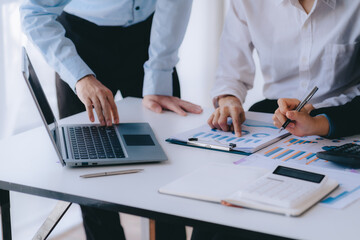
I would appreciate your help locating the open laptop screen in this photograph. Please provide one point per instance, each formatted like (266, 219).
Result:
(41, 102)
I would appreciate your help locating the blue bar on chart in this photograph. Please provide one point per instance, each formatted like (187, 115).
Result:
(218, 135)
(222, 138)
(283, 154)
(297, 155)
(257, 141)
(240, 139)
(198, 134)
(230, 139)
(331, 200)
(249, 140)
(273, 151)
(208, 135)
(311, 155)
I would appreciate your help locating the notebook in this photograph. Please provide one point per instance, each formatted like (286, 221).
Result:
(283, 190)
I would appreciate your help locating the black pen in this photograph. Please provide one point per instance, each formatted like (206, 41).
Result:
(300, 106)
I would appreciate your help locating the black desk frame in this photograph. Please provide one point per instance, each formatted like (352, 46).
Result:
(6, 187)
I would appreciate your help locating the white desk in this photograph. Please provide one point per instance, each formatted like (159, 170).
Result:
(28, 165)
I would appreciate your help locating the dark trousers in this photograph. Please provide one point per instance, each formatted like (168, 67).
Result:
(116, 55)
(265, 106)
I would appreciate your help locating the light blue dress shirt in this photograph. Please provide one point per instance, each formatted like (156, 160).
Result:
(168, 29)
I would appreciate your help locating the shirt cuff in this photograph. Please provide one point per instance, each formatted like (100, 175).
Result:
(331, 126)
(158, 83)
(71, 71)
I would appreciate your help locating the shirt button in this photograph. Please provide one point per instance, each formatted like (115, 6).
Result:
(137, 8)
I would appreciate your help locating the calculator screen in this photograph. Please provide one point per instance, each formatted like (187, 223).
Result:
(299, 174)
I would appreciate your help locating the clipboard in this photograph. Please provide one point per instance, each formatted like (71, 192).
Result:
(193, 142)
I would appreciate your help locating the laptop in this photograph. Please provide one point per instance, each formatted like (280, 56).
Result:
(92, 144)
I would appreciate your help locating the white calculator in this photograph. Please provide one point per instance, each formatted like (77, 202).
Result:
(285, 187)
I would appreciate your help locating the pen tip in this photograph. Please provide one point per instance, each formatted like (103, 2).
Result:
(281, 129)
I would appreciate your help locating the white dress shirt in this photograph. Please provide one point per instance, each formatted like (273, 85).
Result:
(297, 50)
(168, 29)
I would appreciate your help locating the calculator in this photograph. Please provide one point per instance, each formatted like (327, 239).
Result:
(285, 187)
(347, 154)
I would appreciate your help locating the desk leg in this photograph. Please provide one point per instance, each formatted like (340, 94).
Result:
(5, 214)
(52, 220)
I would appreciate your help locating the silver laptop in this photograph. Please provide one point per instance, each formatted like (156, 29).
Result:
(91, 144)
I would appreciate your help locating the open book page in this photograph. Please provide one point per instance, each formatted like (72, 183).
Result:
(255, 135)
(213, 182)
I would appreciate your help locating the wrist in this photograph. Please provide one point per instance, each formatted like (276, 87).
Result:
(322, 125)
(225, 99)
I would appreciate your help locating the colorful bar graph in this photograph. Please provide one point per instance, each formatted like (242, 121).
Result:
(291, 156)
(273, 151)
(294, 141)
(283, 154)
(332, 200)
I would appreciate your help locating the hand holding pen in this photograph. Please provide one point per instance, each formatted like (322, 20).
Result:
(286, 104)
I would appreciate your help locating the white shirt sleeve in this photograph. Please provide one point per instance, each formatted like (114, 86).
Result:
(236, 69)
(40, 25)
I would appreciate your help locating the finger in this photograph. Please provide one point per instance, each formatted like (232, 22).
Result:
(223, 120)
(106, 109)
(89, 109)
(190, 107)
(236, 122)
(152, 105)
(210, 121)
(98, 110)
(280, 116)
(215, 121)
(287, 104)
(114, 110)
(308, 108)
(173, 106)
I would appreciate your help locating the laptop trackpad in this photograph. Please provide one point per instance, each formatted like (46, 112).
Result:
(138, 140)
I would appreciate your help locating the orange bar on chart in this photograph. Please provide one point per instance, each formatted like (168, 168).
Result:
(305, 156)
(271, 150)
(312, 160)
(291, 156)
(281, 153)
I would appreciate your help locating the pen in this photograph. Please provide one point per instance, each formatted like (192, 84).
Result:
(102, 174)
(300, 106)
(194, 141)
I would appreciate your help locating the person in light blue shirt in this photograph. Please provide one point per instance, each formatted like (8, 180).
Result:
(39, 21)
(100, 46)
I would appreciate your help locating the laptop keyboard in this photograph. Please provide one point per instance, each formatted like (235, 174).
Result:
(95, 142)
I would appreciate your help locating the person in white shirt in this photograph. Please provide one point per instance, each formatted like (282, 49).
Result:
(300, 43)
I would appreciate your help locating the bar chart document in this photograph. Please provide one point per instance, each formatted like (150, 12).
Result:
(254, 136)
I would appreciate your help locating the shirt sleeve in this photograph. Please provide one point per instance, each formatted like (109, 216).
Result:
(168, 29)
(39, 23)
(344, 120)
(236, 67)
